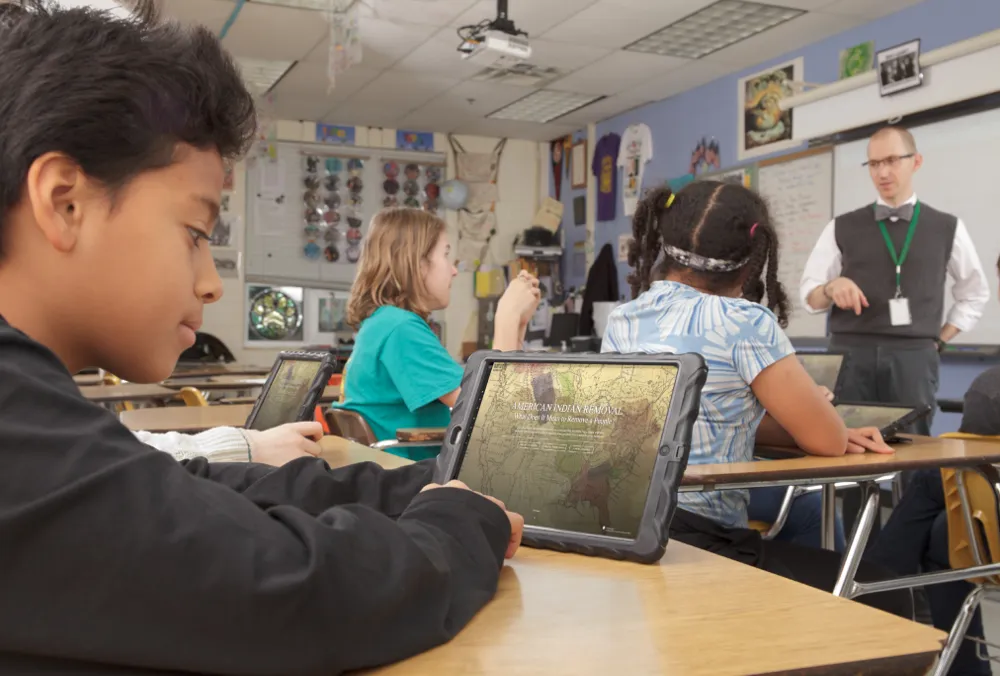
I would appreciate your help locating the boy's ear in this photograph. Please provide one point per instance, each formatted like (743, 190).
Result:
(55, 189)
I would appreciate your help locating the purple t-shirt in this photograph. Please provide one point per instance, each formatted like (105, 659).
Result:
(605, 168)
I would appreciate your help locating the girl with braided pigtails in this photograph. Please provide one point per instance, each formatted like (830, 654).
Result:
(705, 279)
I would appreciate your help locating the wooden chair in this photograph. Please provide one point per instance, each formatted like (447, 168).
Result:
(352, 426)
(110, 380)
(192, 397)
(972, 505)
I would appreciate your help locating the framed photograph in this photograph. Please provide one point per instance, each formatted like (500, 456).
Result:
(899, 68)
(765, 128)
(326, 316)
(578, 164)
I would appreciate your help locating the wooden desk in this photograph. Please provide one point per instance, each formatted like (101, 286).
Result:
(88, 379)
(202, 370)
(126, 392)
(330, 394)
(922, 453)
(220, 382)
(188, 419)
(694, 614)
(339, 452)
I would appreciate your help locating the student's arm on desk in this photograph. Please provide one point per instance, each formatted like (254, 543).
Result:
(798, 414)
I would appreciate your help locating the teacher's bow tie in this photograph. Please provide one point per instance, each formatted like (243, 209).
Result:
(903, 212)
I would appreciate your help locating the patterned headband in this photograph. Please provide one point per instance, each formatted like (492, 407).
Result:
(696, 262)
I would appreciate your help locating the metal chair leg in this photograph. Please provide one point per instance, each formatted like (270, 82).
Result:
(845, 585)
(957, 633)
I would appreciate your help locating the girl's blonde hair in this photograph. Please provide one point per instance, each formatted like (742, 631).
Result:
(389, 272)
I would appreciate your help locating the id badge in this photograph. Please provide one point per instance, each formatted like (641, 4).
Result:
(899, 312)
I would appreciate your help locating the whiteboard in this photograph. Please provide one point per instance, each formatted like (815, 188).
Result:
(799, 195)
(960, 176)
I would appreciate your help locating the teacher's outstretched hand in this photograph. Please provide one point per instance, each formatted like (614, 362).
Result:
(846, 295)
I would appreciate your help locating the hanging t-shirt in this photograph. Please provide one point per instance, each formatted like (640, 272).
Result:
(636, 151)
(604, 168)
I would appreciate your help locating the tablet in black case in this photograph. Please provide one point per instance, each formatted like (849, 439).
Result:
(292, 389)
(589, 448)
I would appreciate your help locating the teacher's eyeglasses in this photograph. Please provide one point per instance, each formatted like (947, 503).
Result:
(889, 162)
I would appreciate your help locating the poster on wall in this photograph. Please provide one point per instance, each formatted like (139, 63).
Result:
(335, 134)
(763, 127)
(857, 59)
(705, 157)
(414, 140)
(899, 68)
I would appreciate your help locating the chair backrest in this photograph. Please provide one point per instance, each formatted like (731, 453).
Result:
(350, 425)
(192, 397)
(982, 545)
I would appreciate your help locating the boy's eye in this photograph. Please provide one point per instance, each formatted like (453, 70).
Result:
(197, 235)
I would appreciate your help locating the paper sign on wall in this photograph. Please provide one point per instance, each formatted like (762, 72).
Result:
(549, 215)
(623, 242)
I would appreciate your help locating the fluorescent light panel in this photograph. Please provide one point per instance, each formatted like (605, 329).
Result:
(713, 28)
(260, 74)
(544, 105)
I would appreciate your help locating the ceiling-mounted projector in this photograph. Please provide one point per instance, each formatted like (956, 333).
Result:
(496, 43)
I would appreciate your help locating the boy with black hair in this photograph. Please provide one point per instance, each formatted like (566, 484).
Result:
(116, 558)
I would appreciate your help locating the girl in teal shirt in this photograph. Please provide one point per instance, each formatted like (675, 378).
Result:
(399, 374)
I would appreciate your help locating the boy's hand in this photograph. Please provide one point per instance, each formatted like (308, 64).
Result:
(516, 520)
(866, 439)
(285, 443)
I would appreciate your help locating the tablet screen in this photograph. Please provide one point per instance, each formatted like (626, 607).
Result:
(287, 393)
(570, 446)
(823, 368)
(871, 416)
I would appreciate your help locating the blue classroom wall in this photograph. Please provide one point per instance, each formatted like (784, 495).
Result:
(677, 123)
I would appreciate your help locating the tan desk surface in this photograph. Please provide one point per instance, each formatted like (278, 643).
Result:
(219, 382)
(88, 379)
(330, 394)
(694, 614)
(195, 370)
(923, 452)
(186, 418)
(339, 452)
(126, 392)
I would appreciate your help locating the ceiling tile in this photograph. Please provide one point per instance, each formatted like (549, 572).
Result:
(601, 110)
(478, 98)
(437, 13)
(519, 130)
(616, 23)
(564, 56)
(360, 115)
(438, 56)
(532, 16)
(298, 108)
(399, 92)
(617, 72)
(307, 79)
(438, 120)
(688, 76)
(383, 43)
(867, 9)
(210, 13)
(808, 5)
(273, 32)
(784, 38)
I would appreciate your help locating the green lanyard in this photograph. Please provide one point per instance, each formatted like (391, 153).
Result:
(901, 258)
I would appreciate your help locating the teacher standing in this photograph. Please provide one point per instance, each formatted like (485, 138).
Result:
(880, 270)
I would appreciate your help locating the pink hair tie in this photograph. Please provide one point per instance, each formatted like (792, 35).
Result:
(753, 229)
